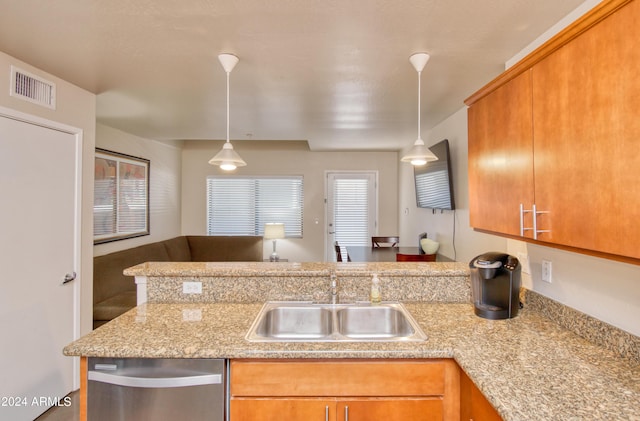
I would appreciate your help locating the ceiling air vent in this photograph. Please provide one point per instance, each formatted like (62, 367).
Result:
(33, 88)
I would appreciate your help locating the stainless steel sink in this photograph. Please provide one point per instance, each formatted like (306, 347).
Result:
(308, 322)
(295, 322)
(379, 322)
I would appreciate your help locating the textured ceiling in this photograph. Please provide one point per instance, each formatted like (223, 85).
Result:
(335, 73)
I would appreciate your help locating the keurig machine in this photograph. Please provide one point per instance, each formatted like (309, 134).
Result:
(495, 285)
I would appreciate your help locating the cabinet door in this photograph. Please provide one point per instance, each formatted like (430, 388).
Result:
(501, 158)
(390, 409)
(274, 409)
(586, 98)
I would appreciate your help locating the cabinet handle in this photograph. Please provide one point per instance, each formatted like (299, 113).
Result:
(535, 222)
(326, 413)
(535, 212)
(346, 413)
(522, 228)
(536, 231)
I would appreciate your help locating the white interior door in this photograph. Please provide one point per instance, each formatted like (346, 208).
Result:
(39, 226)
(351, 209)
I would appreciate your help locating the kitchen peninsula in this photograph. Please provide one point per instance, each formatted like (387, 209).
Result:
(529, 368)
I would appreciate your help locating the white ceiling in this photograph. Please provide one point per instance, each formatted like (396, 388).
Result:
(333, 72)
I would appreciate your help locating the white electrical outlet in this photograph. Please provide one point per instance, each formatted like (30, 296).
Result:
(546, 271)
(192, 315)
(192, 287)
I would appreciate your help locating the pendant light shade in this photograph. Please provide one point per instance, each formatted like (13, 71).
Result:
(227, 158)
(419, 154)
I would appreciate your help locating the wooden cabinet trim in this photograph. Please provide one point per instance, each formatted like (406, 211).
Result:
(589, 19)
(594, 253)
(84, 373)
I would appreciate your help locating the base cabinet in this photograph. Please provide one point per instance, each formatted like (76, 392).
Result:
(420, 390)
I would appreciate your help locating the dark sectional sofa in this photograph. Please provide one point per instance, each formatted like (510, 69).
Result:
(115, 293)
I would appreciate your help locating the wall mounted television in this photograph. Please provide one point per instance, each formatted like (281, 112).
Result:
(434, 185)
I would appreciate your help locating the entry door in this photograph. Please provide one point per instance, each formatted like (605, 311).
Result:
(351, 209)
(39, 238)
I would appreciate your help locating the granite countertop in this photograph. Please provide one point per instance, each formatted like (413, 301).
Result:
(528, 367)
(304, 269)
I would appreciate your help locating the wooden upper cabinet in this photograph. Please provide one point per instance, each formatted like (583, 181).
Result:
(586, 125)
(501, 157)
(561, 130)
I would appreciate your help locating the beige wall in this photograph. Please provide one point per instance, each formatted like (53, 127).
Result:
(164, 184)
(74, 107)
(288, 158)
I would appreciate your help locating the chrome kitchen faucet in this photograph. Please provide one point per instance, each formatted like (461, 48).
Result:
(334, 289)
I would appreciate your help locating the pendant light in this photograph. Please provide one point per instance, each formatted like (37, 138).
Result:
(227, 158)
(419, 153)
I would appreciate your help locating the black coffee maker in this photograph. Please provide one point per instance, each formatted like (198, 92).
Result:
(495, 285)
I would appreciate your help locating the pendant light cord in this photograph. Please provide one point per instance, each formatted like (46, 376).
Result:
(419, 90)
(228, 73)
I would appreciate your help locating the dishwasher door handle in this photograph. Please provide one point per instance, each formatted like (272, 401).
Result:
(155, 382)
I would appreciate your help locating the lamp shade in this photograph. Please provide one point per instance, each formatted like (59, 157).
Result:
(227, 158)
(419, 154)
(273, 230)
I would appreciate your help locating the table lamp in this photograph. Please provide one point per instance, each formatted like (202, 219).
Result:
(273, 231)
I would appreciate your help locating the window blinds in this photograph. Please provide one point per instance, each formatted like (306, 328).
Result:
(351, 211)
(242, 205)
(121, 197)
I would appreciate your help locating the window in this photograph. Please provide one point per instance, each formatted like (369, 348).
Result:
(242, 205)
(121, 197)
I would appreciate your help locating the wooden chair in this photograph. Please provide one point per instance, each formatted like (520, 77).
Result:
(339, 253)
(415, 257)
(390, 241)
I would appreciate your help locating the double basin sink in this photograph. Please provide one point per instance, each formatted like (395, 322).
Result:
(280, 321)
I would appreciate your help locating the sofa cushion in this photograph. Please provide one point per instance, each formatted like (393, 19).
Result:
(178, 249)
(114, 306)
(108, 279)
(207, 248)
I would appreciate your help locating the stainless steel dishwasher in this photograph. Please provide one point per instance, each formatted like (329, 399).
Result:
(156, 389)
